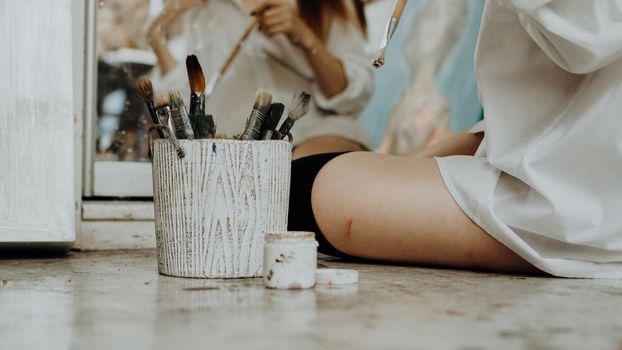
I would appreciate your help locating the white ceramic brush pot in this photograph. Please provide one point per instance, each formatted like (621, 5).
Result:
(213, 206)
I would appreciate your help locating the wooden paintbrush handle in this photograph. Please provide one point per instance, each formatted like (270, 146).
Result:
(238, 46)
(398, 9)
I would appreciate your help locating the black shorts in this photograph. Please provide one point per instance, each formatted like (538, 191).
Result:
(301, 218)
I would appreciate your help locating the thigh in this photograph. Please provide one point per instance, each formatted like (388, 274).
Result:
(398, 209)
(326, 144)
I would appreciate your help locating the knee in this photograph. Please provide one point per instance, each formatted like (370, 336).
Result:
(333, 200)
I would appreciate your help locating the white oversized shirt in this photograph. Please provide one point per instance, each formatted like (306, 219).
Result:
(547, 179)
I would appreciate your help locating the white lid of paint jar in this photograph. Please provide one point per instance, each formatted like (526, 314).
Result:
(336, 276)
(275, 237)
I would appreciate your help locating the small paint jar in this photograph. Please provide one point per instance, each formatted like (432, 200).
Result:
(289, 260)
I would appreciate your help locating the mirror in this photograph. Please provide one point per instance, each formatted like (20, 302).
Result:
(123, 55)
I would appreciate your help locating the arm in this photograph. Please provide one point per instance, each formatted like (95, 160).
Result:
(156, 35)
(463, 144)
(166, 61)
(581, 36)
(279, 17)
(328, 69)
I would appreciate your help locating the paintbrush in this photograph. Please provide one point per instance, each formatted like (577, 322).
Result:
(163, 111)
(201, 122)
(202, 126)
(255, 121)
(298, 109)
(197, 85)
(389, 31)
(234, 53)
(272, 121)
(145, 90)
(179, 115)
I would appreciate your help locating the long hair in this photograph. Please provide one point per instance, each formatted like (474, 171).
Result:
(320, 14)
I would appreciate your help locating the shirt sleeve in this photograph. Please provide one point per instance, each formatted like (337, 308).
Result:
(581, 36)
(478, 128)
(347, 42)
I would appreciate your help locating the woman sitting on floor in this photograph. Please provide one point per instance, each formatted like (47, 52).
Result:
(535, 187)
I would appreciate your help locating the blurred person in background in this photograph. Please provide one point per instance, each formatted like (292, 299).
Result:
(316, 46)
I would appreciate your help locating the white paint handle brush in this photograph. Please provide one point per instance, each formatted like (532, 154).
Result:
(298, 109)
(400, 5)
(258, 116)
(234, 53)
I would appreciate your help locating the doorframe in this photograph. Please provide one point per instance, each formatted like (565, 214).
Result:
(120, 224)
(78, 9)
(104, 179)
(89, 98)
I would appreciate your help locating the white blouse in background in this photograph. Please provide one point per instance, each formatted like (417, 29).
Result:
(547, 180)
(210, 31)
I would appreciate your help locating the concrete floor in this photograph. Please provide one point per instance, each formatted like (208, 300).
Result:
(117, 300)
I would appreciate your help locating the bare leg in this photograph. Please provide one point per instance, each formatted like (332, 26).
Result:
(326, 144)
(398, 209)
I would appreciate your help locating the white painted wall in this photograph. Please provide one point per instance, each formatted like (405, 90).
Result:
(79, 51)
(36, 122)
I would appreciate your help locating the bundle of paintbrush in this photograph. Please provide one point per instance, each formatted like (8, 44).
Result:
(264, 119)
(164, 112)
(169, 110)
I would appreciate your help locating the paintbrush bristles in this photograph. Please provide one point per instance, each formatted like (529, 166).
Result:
(255, 122)
(176, 99)
(300, 106)
(179, 114)
(263, 101)
(145, 89)
(161, 101)
(195, 74)
(298, 109)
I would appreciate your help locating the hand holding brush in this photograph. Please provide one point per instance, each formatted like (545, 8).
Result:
(234, 53)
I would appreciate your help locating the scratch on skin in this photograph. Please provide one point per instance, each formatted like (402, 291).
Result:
(349, 227)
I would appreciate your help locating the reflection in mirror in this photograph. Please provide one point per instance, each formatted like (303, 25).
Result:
(123, 56)
(126, 32)
(150, 38)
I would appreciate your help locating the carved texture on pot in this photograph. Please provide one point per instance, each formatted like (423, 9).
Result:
(213, 206)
